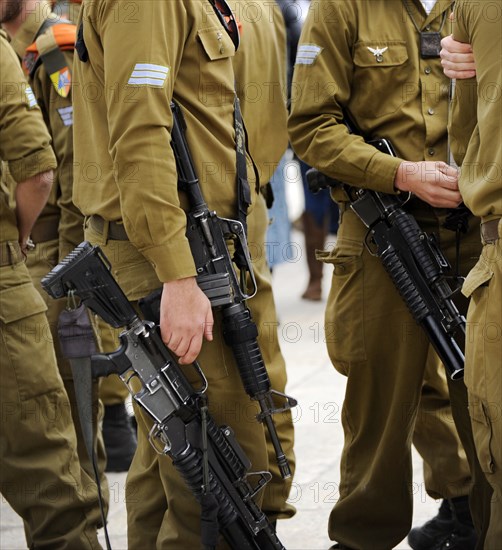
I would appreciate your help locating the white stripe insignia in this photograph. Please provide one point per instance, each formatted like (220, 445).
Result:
(307, 54)
(66, 114)
(148, 74)
(30, 96)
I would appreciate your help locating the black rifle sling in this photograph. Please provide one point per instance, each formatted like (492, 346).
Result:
(77, 344)
(243, 190)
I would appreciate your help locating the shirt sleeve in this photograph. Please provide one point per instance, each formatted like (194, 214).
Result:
(320, 93)
(58, 115)
(140, 121)
(463, 118)
(24, 139)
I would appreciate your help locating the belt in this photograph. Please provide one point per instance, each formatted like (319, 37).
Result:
(45, 230)
(10, 253)
(116, 231)
(490, 231)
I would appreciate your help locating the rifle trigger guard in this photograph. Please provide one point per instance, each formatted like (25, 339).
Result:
(158, 440)
(263, 478)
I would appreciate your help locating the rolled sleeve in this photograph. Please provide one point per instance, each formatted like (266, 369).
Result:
(25, 140)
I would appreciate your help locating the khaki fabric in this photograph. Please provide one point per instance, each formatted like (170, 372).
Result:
(39, 262)
(484, 372)
(40, 474)
(446, 470)
(260, 76)
(364, 58)
(57, 111)
(177, 50)
(477, 141)
(20, 116)
(391, 98)
(135, 178)
(59, 227)
(475, 128)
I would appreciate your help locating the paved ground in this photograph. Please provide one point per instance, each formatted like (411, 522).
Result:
(319, 390)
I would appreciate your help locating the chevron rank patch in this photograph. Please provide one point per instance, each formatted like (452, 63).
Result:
(66, 114)
(62, 81)
(148, 74)
(307, 54)
(30, 96)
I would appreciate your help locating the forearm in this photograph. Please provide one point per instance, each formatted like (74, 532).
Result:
(31, 196)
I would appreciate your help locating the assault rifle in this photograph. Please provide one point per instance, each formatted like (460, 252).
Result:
(412, 259)
(208, 457)
(209, 237)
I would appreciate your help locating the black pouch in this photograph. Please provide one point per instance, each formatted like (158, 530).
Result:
(75, 333)
(430, 44)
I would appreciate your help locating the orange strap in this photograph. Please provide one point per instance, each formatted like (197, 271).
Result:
(65, 35)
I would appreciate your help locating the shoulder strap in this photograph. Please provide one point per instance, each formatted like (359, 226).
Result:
(54, 37)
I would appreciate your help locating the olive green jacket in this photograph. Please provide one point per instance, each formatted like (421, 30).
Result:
(141, 56)
(476, 126)
(363, 57)
(24, 139)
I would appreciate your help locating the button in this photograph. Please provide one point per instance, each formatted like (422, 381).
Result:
(427, 70)
(428, 28)
(430, 110)
(431, 152)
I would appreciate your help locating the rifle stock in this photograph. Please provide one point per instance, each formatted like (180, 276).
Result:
(181, 423)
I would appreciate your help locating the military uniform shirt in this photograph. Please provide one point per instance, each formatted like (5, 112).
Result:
(476, 127)
(261, 86)
(58, 115)
(125, 167)
(19, 117)
(366, 64)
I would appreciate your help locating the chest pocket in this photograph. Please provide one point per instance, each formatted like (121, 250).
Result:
(381, 76)
(216, 80)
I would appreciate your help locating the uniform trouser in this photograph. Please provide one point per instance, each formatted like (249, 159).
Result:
(40, 473)
(383, 352)
(150, 518)
(483, 373)
(112, 390)
(446, 470)
(39, 262)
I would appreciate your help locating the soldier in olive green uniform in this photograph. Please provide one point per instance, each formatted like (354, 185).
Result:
(40, 474)
(260, 75)
(175, 50)
(365, 57)
(264, 111)
(477, 146)
(45, 44)
(117, 433)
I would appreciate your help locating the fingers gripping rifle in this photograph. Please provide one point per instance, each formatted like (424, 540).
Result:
(209, 235)
(412, 259)
(208, 457)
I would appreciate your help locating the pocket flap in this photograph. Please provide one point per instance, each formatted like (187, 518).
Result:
(20, 302)
(479, 275)
(216, 43)
(380, 54)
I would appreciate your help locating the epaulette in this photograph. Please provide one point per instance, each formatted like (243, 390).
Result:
(54, 37)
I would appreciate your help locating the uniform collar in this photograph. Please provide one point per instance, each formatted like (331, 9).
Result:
(28, 30)
(440, 7)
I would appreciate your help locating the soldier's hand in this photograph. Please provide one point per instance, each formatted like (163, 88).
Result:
(457, 59)
(185, 318)
(434, 182)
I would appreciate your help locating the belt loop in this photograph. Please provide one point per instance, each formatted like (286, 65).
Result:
(99, 234)
(15, 254)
